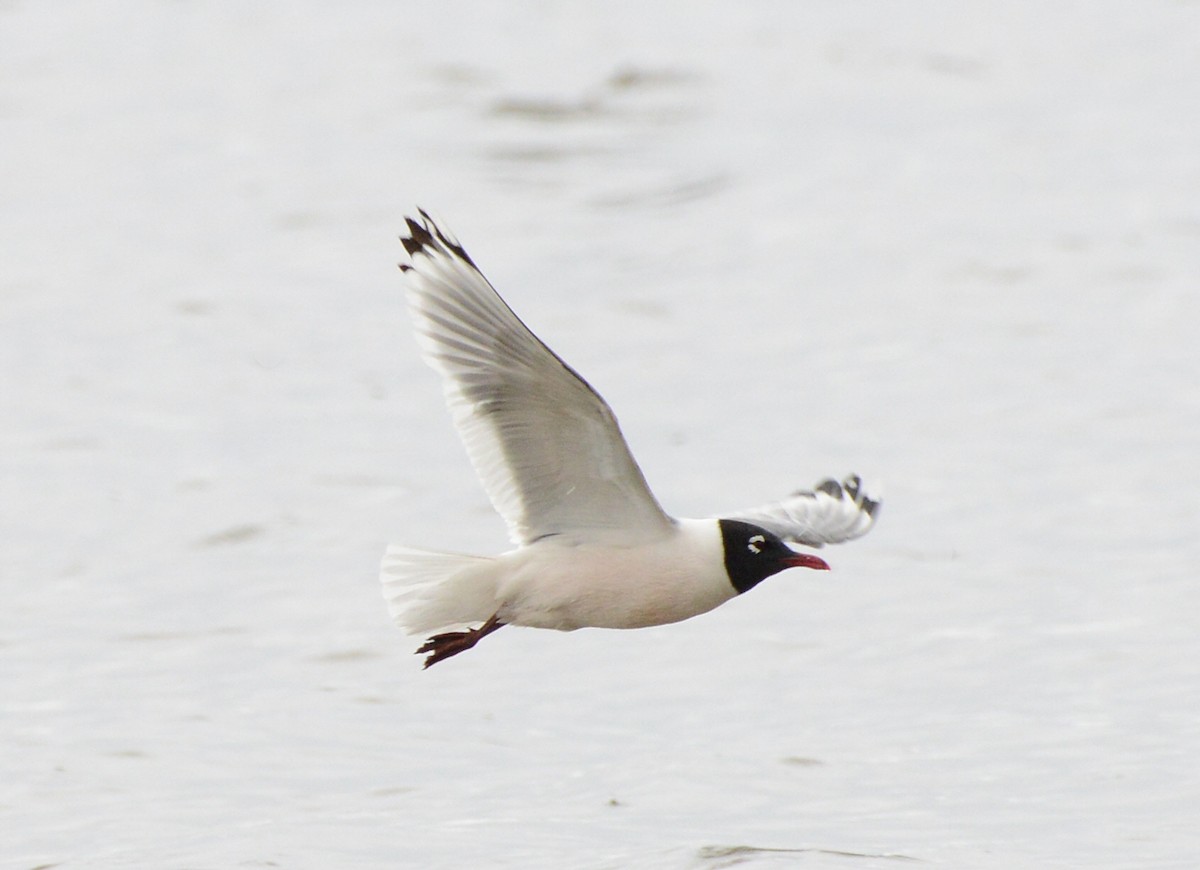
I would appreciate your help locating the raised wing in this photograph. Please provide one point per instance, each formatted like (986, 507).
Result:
(830, 513)
(543, 442)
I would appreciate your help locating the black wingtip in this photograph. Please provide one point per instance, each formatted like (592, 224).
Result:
(852, 487)
(426, 234)
(830, 487)
(417, 240)
(418, 237)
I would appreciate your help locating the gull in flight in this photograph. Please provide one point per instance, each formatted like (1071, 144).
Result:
(593, 546)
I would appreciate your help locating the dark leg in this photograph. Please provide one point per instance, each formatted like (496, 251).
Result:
(442, 646)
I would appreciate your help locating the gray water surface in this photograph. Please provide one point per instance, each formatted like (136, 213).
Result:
(954, 248)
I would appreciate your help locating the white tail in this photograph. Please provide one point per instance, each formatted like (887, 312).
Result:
(426, 591)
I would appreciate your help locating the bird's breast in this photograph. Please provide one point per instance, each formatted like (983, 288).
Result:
(551, 584)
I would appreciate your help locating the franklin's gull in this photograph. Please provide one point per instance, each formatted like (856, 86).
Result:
(593, 547)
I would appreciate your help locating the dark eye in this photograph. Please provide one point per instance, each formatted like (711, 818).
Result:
(755, 544)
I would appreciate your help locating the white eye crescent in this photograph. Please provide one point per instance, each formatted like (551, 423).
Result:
(755, 545)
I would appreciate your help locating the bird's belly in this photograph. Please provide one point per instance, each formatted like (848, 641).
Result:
(610, 590)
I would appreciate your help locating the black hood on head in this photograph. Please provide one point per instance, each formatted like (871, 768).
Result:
(752, 554)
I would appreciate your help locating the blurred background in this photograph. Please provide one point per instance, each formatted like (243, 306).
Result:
(952, 247)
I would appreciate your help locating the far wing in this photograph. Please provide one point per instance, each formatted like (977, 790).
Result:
(830, 513)
(545, 445)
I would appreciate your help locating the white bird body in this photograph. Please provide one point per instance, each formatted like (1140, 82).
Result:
(563, 584)
(609, 586)
(594, 548)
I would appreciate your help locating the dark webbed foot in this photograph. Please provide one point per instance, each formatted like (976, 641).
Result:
(451, 643)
